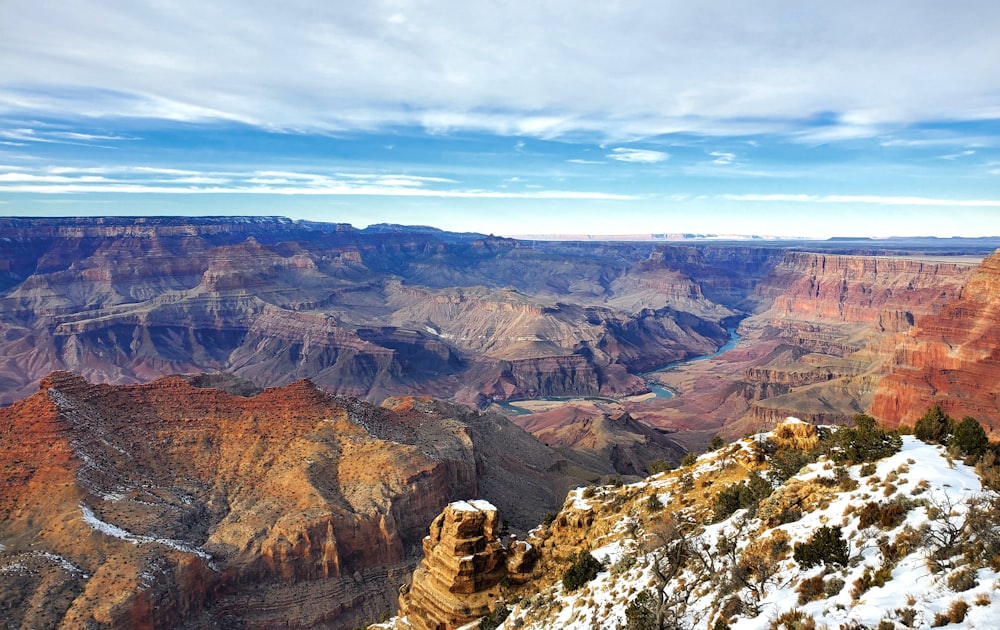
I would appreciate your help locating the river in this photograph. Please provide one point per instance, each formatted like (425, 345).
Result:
(658, 390)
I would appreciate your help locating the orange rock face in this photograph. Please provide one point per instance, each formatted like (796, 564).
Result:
(951, 358)
(464, 560)
(164, 504)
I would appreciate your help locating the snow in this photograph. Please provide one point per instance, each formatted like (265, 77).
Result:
(483, 505)
(114, 531)
(919, 472)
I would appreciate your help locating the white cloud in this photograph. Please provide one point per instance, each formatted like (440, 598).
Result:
(886, 200)
(722, 157)
(624, 71)
(644, 156)
(150, 180)
(960, 154)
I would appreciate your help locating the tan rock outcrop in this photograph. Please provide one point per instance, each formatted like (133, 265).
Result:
(464, 562)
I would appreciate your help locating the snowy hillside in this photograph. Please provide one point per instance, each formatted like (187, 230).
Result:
(908, 540)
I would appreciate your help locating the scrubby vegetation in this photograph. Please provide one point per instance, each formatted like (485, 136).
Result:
(826, 546)
(583, 568)
(713, 543)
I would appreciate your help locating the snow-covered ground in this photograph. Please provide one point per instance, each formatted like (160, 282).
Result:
(921, 476)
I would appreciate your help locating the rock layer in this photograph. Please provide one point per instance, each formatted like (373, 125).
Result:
(951, 358)
(169, 505)
(370, 313)
(464, 561)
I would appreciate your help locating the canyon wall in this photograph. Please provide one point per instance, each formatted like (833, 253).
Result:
(369, 313)
(170, 505)
(950, 358)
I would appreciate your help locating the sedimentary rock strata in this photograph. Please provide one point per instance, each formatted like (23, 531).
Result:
(166, 504)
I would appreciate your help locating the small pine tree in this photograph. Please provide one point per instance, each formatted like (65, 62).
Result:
(583, 569)
(826, 546)
(934, 426)
(970, 437)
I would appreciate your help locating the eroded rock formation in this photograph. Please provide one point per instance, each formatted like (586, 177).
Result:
(951, 358)
(369, 313)
(170, 505)
(464, 562)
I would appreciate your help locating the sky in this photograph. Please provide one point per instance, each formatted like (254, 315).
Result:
(773, 117)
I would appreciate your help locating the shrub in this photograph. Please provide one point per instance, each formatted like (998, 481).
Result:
(934, 426)
(658, 466)
(885, 515)
(747, 494)
(549, 518)
(907, 616)
(957, 611)
(716, 443)
(833, 586)
(969, 437)
(638, 614)
(583, 569)
(786, 463)
(494, 619)
(653, 503)
(870, 579)
(962, 579)
(865, 441)
(810, 589)
(689, 459)
(793, 620)
(588, 492)
(826, 546)
(867, 469)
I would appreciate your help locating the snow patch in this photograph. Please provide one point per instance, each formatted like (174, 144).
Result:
(114, 531)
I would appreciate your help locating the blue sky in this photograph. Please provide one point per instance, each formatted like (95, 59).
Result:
(774, 117)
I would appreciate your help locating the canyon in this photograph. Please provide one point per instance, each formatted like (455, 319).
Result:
(223, 422)
(173, 504)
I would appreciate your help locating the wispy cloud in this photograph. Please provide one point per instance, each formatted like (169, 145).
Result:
(866, 199)
(960, 154)
(722, 157)
(643, 156)
(151, 180)
(675, 66)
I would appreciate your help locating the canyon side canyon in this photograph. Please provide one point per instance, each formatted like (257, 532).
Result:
(223, 422)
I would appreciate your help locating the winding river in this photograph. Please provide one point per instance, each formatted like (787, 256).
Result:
(658, 390)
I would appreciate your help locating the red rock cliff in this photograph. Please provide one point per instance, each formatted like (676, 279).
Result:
(951, 358)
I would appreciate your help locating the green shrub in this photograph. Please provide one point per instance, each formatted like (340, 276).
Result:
(653, 503)
(716, 443)
(658, 466)
(638, 614)
(494, 619)
(867, 469)
(934, 426)
(826, 546)
(747, 494)
(969, 437)
(583, 569)
(865, 441)
(549, 518)
(786, 463)
(689, 460)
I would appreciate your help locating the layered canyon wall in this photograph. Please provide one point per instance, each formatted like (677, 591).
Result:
(170, 505)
